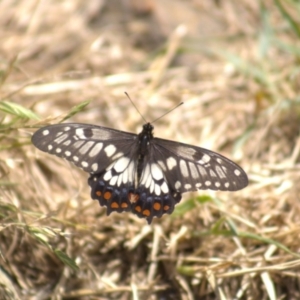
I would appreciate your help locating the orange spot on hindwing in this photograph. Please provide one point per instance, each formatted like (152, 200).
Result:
(146, 212)
(166, 207)
(98, 193)
(107, 195)
(138, 208)
(157, 206)
(114, 205)
(124, 205)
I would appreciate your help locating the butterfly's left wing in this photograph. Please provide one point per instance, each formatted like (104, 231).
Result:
(190, 168)
(90, 147)
(109, 155)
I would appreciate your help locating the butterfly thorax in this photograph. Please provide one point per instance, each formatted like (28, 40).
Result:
(144, 139)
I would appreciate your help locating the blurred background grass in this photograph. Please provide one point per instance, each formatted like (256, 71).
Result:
(234, 63)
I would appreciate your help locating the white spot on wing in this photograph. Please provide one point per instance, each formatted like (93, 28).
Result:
(67, 143)
(152, 186)
(205, 159)
(183, 168)
(224, 169)
(120, 178)
(148, 182)
(164, 188)
(187, 186)
(212, 173)
(84, 164)
(125, 176)
(177, 185)
(194, 171)
(227, 184)
(86, 147)
(110, 150)
(100, 134)
(116, 156)
(237, 172)
(58, 150)
(156, 172)
(75, 158)
(171, 163)
(121, 164)
(61, 138)
(202, 171)
(107, 176)
(67, 128)
(78, 144)
(46, 132)
(113, 181)
(198, 185)
(157, 189)
(129, 172)
(50, 147)
(94, 167)
(217, 184)
(80, 133)
(162, 165)
(188, 152)
(220, 172)
(207, 183)
(96, 149)
(67, 153)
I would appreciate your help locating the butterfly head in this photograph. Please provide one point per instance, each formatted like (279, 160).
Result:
(147, 131)
(144, 138)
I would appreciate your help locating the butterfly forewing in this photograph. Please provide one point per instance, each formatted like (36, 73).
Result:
(91, 148)
(190, 168)
(138, 173)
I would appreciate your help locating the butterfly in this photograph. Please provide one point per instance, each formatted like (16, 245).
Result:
(139, 172)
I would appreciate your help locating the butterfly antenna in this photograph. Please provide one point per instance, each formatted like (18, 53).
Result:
(135, 107)
(181, 103)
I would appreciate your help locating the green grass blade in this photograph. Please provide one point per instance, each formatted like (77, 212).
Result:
(17, 110)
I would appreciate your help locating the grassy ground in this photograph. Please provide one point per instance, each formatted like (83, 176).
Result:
(235, 64)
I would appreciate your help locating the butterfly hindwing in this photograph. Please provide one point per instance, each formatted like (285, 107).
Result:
(114, 187)
(156, 196)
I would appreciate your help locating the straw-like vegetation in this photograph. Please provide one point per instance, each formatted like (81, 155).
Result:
(235, 64)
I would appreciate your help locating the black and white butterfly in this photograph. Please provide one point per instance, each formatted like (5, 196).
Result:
(139, 173)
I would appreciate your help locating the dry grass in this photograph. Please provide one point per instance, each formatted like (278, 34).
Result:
(235, 64)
